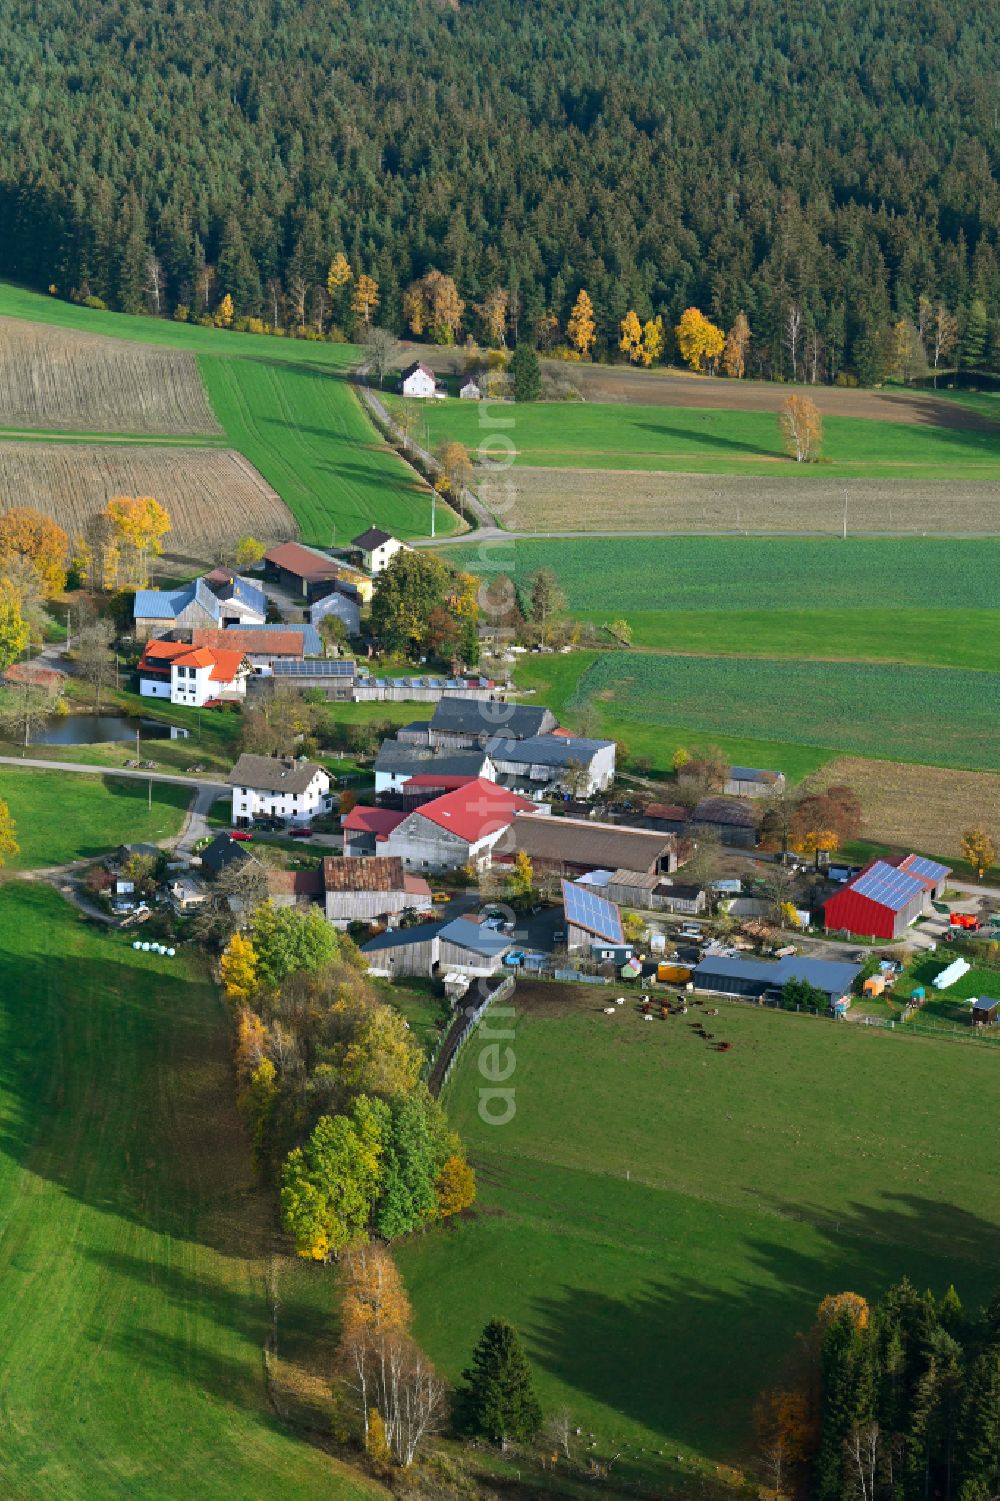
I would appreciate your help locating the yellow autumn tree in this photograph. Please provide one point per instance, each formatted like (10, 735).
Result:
(433, 303)
(9, 846)
(15, 631)
(734, 360)
(582, 327)
(802, 429)
(493, 312)
(631, 340)
(978, 850)
(238, 969)
(339, 273)
(699, 341)
(455, 1187)
(836, 1304)
(224, 312)
(138, 525)
(365, 299)
(652, 341)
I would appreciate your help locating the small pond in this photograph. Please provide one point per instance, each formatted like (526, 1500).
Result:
(96, 729)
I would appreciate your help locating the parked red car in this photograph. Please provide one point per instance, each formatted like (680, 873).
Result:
(242, 836)
(301, 831)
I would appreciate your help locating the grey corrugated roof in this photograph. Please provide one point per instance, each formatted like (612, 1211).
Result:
(167, 604)
(489, 716)
(476, 938)
(546, 750)
(752, 774)
(724, 810)
(825, 974)
(396, 757)
(399, 938)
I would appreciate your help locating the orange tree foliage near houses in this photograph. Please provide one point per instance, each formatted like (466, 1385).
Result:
(28, 537)
(139, 524)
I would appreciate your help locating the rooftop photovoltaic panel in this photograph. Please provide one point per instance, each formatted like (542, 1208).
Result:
(314, 668)
(921, 866)
(585, 909)
(888, 886)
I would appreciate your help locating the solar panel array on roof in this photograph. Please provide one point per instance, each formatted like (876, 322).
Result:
(318, 668)
(888, 886)
(585, 909)
(921, 866)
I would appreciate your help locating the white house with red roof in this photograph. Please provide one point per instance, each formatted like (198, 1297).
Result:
(192, 675)
(457, 829)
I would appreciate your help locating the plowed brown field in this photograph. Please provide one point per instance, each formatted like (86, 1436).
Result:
(599, 500)
(213, 495)
(58, 378)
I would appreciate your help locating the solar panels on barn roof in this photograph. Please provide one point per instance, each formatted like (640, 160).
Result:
(888, 886)
(585, 909)
(319, 668)
(929, 870)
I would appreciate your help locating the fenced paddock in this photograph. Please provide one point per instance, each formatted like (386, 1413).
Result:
(63, 379)
(213, 495)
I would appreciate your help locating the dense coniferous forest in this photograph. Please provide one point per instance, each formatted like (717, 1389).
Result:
(729, 154)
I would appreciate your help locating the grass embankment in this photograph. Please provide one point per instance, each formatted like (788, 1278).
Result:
(62, 818)
(616, 436)
(133, 1312)
(809, 1159)
(287, 406)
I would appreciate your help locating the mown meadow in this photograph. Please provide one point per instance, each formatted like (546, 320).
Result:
(133, 1303)
(660, 1220)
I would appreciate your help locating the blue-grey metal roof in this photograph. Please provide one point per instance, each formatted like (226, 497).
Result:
(167, 604)
(246, 592)
(395, 756)
(473, 936)
(887, 885)
(546, 750)
(478, 716)
(826, 974)
(752, 774)
(585, 909)
(400, 938)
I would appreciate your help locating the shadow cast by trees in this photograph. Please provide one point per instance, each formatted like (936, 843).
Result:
(688, 1353)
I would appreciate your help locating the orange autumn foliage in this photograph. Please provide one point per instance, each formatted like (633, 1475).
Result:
(29, 537)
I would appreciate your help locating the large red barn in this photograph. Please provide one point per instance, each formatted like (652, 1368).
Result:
(884, 899)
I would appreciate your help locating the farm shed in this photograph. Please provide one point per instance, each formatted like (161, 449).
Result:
(730, 819)
(753, 978)
(457, 722)
(932, 873)
(460, 946)
(593, 924)
(344, 602)
(753, 781)
(195, 605)
(458, 829)
(305, 572)
(371, 888)
(425, 690)
(366, 828)
(397, 762)
(468, 947)
(881, 902)
(334, 678)
(542, 762)
(670, 896)
(984, 1011)
(574, 846)
(399, 952)
(260, 645)
(670, 818)
(469, 390)
(293, 888)
(632, 888)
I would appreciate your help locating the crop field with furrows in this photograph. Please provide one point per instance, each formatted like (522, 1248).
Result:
(752, 573)
(942, 716)
(598, 500)
(53, 378)
(922, 807)
(213, 495)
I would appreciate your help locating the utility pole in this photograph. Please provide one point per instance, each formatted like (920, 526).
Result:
(137, 742)
(149, 801)
(433, 508)
(845, 516)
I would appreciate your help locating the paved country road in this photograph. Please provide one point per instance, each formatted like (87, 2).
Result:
(175, 779)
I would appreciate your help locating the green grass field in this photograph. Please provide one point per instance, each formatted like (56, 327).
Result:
(62, 818)
(286, 405)
(811, 1158)
(589, 435)
(133, 1312)
(936, 715)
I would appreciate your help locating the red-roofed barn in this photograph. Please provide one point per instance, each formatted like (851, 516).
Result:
(458, 829)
